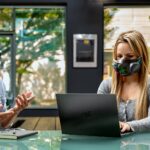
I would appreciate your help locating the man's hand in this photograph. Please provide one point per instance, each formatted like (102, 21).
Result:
(29, 96)
(124, 127)
(22, 101)
(5, 115)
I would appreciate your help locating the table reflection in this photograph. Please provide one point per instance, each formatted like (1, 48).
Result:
(89, 143)
(54, 140)
(133, 141)
(44, 140)
(136, 141)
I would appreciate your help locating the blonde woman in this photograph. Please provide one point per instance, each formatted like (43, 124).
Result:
(130, 82)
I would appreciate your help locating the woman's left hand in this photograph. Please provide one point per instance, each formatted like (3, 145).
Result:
(124, 127)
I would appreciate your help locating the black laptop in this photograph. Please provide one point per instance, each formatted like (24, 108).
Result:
(88, 114)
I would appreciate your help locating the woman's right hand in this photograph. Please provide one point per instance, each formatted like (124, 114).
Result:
(124, 127)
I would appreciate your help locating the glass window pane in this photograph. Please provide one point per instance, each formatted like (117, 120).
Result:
(40, 52)
(5, 64)
(6, 19)
(5, 60)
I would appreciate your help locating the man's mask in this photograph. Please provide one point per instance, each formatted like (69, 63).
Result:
(127, 67)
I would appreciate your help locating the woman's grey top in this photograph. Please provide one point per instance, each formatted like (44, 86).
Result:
(2, 96)
(127, 109)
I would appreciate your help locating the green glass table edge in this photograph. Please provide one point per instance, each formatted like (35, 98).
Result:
(55, 140)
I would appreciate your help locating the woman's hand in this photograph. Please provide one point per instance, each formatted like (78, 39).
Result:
(22, 101)
(124, 127)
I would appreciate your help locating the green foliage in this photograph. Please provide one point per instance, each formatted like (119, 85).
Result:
(5, 45)
(6, 14)
(6, 19)
(41, 36)
(108, 16)
(42, 26)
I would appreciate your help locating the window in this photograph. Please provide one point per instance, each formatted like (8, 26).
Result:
(5, 62)
(39, 51)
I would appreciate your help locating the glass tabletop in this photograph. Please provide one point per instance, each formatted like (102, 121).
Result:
(54, 140)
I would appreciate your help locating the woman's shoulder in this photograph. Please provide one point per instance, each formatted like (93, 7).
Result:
(105, 86)
(107, 81)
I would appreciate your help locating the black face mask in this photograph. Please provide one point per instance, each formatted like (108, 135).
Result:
(127, 67)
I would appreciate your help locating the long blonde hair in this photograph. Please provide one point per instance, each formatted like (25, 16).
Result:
(137, 45)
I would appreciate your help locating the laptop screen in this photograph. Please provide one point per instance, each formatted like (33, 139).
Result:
(88, 114)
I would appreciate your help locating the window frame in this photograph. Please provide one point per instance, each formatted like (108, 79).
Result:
(38, 111)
